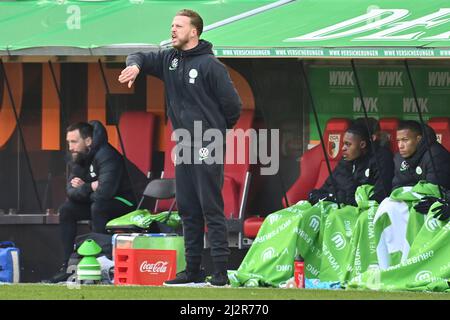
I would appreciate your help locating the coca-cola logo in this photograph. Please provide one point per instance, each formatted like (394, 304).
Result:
(157, 267)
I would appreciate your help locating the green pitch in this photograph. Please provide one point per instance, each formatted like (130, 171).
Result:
(100, 292)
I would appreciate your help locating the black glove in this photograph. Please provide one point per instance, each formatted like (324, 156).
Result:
(425, 203)
(317, 195)
(442, 212)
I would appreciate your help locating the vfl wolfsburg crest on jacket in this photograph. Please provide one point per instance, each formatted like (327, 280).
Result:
(91, 171)
(173, 64)
(404, 166)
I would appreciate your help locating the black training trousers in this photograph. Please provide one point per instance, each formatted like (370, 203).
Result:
(199, 200)
(99, 212)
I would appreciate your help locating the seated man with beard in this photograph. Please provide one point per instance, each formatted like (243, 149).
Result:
(98, 188)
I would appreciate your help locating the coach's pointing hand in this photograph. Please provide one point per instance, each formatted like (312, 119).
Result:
(129, 74)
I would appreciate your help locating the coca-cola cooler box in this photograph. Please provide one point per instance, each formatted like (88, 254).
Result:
(147, 259)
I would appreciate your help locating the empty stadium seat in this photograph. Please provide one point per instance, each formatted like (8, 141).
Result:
(389, 126)
(252, 226)
(169, 166)
(137, 133)
(236, 174)
(441, 126)
(313, 169)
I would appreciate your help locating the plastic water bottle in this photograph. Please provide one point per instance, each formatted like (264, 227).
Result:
(299, 272)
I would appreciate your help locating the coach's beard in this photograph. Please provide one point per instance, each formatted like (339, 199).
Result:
(79, 157)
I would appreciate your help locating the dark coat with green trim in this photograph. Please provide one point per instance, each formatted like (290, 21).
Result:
(104, 164)
(410, 171)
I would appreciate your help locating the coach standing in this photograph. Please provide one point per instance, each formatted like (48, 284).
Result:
(198, 88)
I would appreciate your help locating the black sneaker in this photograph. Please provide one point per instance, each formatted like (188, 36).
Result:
(187, 279)
(219, 279)
(61, 276)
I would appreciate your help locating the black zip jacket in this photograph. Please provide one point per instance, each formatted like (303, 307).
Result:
(103, 164)
(410, 171)
(197, 86)
(349, 175)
